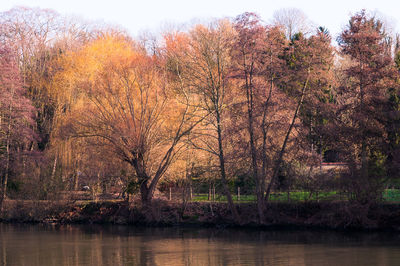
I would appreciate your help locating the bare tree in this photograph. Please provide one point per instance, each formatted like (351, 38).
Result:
(256, 68)
(202, 62)
(15, 116)
(293, 20)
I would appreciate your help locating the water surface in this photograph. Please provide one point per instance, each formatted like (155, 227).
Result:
(124, 245)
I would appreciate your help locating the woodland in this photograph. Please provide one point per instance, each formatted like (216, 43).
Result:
(234, 102)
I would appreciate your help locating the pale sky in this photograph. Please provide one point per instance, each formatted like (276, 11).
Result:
(141, 15)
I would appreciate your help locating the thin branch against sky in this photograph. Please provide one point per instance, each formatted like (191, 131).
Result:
(137, 16)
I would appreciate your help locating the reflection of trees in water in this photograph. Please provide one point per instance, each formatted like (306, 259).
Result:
(122, 245)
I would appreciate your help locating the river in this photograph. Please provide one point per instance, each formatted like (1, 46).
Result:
(128, 245)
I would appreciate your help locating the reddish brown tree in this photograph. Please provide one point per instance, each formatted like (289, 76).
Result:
(370, 74)
(15, 116)
(308, 60)
(257, 65)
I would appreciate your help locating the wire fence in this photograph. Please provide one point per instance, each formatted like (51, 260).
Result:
(213, 195)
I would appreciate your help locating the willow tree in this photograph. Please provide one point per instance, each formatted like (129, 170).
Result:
(31, 31)
(119, 97)
(39, 37)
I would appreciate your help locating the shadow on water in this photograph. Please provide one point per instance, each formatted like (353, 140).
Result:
(123, 245)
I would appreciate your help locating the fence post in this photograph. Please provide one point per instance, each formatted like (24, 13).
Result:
(170, 193)
(238, 194)
(191, 193)
(213, 193)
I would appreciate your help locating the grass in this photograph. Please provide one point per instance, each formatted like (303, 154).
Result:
(275, 196)
(389, 195)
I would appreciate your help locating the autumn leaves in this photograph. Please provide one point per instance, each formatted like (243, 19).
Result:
(238, 96)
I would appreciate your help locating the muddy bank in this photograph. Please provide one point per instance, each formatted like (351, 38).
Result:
(332, 215)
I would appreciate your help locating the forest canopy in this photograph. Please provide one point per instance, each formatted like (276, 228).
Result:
(232, 102)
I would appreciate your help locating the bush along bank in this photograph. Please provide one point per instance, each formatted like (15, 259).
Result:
(323, 215)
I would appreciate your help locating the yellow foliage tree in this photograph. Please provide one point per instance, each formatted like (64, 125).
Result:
(113, 92)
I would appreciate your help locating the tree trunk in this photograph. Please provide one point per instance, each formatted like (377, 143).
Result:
(53, 172)
(7, 168)
(145, 194)
(257, 177)
(283, 148)
(76, 180)
(223, 172)
(5, 178)
(146, 191)
(253, 151)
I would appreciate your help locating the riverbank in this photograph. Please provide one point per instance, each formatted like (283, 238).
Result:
(322, 215)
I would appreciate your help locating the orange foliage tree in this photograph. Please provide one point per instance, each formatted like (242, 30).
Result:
(202, 62)
(117, 94)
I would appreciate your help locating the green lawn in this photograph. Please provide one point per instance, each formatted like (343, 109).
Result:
(275, 196)
(221, 198)
(389, 195)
